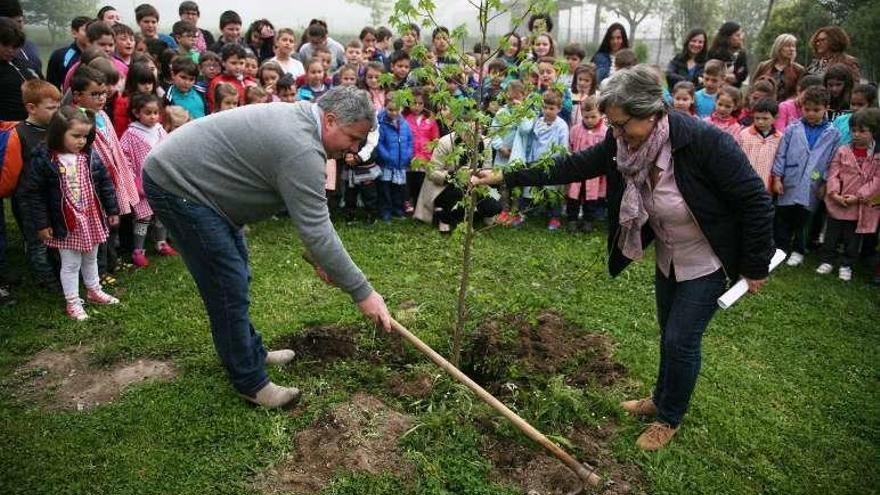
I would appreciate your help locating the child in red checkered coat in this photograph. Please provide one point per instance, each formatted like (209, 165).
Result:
(71, 199)
(142, 135)
(760, 141)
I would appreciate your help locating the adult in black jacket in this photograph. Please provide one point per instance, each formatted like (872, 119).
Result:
(688, 65)
(690, 187)
(727, 46)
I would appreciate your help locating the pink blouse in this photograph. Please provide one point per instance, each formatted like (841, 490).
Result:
(679, 240)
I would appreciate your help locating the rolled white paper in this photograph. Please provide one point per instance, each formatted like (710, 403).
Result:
(741, 287)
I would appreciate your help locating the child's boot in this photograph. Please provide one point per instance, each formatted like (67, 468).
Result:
(75, 309)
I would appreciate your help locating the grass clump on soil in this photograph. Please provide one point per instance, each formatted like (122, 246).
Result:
(787, 402)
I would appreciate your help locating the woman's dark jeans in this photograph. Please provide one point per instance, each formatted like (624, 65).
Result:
(684, 309)
(215, 253)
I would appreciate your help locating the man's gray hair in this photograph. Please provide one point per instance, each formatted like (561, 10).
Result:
(348, 104)
(636, 91)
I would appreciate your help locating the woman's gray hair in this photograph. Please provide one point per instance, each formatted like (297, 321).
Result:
(348, 104)
(636, 90)
(779, 43)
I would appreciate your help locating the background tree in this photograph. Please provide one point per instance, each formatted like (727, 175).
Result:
(633, 11)
(56, 14)
(684, 15)
(379, 9)
(800, 18)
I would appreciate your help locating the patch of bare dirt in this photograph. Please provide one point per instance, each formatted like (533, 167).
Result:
(539, 473)
(66, 380)
(417, 387)
(548, 345)
(359, 436)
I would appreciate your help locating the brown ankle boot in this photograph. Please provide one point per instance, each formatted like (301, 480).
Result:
(656, 436)
(640, 407)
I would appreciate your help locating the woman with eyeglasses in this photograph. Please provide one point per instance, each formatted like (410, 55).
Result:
(689, 188)
(829, 46)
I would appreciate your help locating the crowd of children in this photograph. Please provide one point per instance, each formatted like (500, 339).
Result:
(120, 92)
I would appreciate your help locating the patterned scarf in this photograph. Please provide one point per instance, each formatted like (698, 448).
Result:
(636, 165)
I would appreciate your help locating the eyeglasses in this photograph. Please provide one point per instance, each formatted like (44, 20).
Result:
(615, 126)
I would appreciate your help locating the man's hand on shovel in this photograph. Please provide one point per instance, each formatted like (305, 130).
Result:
(373, 306)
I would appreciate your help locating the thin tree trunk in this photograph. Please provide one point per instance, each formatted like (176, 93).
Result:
(597, 22)
(770, 4)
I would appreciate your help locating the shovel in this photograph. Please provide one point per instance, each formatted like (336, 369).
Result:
(584, 471)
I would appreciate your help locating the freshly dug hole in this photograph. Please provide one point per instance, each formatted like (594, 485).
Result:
(549, 345)
(325, 344)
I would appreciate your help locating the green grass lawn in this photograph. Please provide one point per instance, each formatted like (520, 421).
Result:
(788, 401)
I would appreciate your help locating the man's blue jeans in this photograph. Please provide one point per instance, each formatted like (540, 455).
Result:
(684, 309)
(215, 253)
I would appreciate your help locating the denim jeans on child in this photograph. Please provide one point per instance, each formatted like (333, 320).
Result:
(35, 250)
(684, 309)
(215, 253)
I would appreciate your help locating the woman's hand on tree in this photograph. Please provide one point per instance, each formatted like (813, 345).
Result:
(487, 178)
(45, 234)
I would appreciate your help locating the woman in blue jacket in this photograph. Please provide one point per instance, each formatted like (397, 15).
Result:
(688, 185)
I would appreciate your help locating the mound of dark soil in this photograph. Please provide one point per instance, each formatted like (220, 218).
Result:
(547, 345)
(539, 473)
(358, 436)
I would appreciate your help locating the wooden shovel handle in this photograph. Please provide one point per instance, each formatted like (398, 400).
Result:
(584, 472)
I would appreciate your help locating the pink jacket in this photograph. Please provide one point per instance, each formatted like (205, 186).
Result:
(581, 138)
(860, 178)
(760, 150)
(728, 125)
(789, 111)
(424, 130)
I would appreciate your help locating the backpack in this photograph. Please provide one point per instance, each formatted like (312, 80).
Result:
(10, 158)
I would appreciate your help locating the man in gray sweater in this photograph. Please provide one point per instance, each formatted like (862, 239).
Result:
(214, 175)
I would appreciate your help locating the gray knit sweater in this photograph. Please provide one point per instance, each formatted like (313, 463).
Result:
(252, 162)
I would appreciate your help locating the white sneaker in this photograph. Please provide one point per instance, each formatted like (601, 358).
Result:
(824, 269)
(273, 396)
(845, 273)
(280, 357)
(795, 259)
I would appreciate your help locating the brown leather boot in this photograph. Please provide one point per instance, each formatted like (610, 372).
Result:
(640, 407)
(656, 436)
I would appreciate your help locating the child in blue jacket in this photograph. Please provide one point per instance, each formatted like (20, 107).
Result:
(802, 159)
(394, 153)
